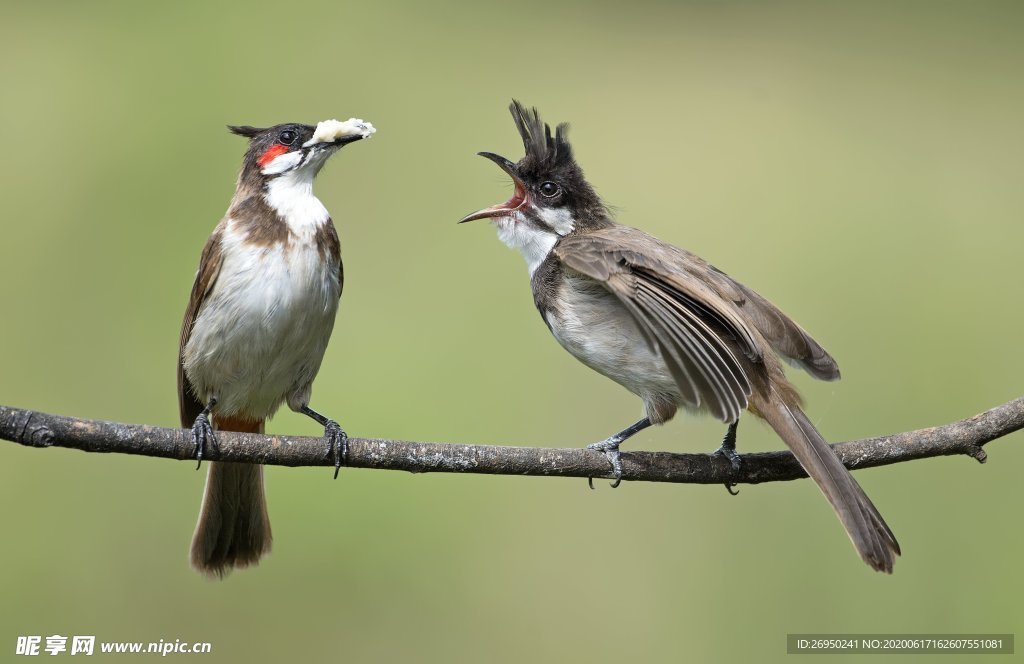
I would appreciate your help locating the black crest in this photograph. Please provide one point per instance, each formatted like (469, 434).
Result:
(246, 130)
(542, 149)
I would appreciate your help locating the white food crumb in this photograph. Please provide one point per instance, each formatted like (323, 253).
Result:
(330, 131)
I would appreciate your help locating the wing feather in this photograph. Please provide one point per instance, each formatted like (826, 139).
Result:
(691, 327)
(189, 405)
(710, 361)
(678, 363)
(786, 337)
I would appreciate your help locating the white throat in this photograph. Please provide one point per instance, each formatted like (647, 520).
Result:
(533, 243)
(291, 196)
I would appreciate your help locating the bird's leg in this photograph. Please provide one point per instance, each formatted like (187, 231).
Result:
(610, 447)
(728, 450)
(336, 438)
(202, 431)
(728, 447)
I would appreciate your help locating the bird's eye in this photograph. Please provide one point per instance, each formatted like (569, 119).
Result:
(550, 189)
(287, 137)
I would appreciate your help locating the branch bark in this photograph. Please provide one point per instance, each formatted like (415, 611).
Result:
(35, 429)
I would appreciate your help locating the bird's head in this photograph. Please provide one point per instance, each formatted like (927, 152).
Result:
(296, 149)
(551, 197)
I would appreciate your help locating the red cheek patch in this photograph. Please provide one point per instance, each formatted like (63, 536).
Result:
(272, 154)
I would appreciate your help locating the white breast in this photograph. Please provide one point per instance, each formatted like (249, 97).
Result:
(291, 195)
(261, 334)
(596, 328)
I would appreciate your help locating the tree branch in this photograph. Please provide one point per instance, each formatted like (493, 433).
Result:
(967, 436)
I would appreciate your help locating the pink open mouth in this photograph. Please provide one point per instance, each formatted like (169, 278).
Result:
(518, 197)
(502, 209)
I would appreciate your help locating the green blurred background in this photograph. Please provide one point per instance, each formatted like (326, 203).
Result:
(858, 163)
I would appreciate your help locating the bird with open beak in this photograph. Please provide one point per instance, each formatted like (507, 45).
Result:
(665, 324)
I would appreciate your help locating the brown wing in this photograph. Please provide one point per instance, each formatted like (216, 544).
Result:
(786, 337)
(329, 247)
(189, 406)
(783, 335)
(696, 331)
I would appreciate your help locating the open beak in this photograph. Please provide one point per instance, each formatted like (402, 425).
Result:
(509, 206)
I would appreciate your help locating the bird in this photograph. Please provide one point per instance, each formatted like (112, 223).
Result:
(665, 324)
(258, 319)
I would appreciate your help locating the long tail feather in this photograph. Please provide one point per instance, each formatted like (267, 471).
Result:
(867, 529)
(233, 528)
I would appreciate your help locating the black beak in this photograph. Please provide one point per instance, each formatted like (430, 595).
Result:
(512, 204)
(503, 163)
(345, 140)
(336, 143)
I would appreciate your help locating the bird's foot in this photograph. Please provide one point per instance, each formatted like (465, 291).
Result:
(610, 448)
(202, 433)
(731, 454)
(337, 444)
(334, 436)
(728, 450)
